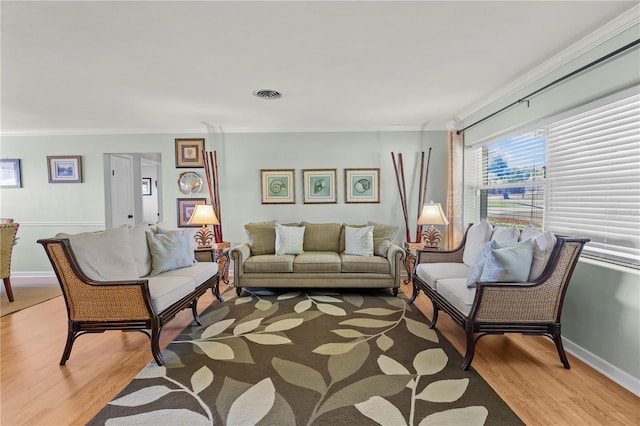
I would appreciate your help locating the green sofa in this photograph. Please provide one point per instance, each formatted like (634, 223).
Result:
(321, 262)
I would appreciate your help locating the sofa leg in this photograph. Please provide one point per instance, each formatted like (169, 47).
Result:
(434, 320)
(395, 291)
(155, 345)
(7, 286)
(71, 337)
(471, 349)
(194, 310)
(238, 291)
(416, 290)
(558, 341)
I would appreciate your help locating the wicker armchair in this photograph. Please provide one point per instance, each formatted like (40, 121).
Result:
(531, 308)
(7, 239)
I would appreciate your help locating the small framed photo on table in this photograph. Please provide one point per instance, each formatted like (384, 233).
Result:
(189, 153)
(362, 185)
(278, 186)
(64, 168)
(320, 186)
(186, 206)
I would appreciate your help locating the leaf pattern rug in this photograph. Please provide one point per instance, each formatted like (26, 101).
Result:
(309, 358)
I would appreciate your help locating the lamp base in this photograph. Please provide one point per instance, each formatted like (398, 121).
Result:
(204, 237)
(431, 237)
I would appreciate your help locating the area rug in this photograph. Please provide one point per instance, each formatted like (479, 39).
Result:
(309, 358)
(27, 294)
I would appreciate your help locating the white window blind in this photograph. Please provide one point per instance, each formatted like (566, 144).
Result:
(593, 179)
(512, 180)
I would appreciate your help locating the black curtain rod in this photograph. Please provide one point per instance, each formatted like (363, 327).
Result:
(553, 83)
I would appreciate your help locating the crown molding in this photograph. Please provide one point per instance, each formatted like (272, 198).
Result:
(591, 41)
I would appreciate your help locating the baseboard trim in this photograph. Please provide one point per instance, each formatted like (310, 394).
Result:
(624, 379)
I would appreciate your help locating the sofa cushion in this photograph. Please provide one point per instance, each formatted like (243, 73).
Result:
(358, 241)
(262, 237)
(455, 290)
(140, 248)
(105, 255)
(321, 236)
(269, 263)
(165, 290)
(383, 237)
(365, 264)
(508, 264)
(317, 261)
(289, 239)
(169, 251)
(477, 236)
(432, 273)
(200, 272)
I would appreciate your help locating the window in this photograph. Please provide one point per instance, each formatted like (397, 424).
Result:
(578, 174)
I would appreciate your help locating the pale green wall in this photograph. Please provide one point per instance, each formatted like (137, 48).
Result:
(44, 209)
(602, 306)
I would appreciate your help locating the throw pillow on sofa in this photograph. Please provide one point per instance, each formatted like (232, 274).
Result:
(289, 239)
(477, 236)
(383, 237)
(261, 237)
(508, 264)
(170, 250)
(543, 246)
(358, 241)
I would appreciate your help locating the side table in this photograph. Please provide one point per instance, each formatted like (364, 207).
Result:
(220, 256)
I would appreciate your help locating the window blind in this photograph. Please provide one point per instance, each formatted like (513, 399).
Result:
(593, 179)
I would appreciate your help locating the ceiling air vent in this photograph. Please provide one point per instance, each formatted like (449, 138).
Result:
(267, 94)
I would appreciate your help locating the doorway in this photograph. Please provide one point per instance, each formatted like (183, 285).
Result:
(133, 188)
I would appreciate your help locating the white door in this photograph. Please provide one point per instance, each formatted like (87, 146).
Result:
(121, 191)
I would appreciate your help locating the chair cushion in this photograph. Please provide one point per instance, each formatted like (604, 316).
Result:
(455, 290)
(105, 255)
(358, 241)
(508, 264)
(365, 264)
(317, 261)
(269, 263)
(289, 239)
(321, 236)
(262, 237)
(200, 272)
(166, 290)
(477, 236)
(432, 273)
(171, 250)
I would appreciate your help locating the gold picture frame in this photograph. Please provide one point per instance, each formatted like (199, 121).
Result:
(189, 153)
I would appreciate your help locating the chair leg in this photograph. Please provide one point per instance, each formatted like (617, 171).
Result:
(558, 341)
(7, 286)
(471, 349)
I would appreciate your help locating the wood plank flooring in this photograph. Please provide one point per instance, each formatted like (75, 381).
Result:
(35, 390)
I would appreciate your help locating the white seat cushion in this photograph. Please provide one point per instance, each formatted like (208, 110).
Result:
(455, 290)
(200, 271)
(165, 291)
(432, 273)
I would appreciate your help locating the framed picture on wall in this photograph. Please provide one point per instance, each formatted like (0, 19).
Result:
(186, 206)
(278, 186)
(146, 186)
(189, 153)
(362, 185)
(10, 173)
(320, 186)
(65, 169)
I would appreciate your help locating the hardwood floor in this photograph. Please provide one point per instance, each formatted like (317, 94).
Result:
(35, 390)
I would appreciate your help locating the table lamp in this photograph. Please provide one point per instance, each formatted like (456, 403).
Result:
(204, 215)
(432, 214)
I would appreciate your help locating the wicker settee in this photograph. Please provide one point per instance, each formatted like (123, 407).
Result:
(531, 304)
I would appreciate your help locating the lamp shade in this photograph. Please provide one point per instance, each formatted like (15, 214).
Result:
(432, 214)
(203, 215)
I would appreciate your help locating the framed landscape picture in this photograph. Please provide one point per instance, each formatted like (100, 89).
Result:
(277, 186)
(10, 173)
(362, 185)
(320, 186)
(65, 169)
(186, 206)
(189, 153)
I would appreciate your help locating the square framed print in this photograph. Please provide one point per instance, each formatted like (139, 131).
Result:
(10, 173)
(146, 186)
(189, 153)
(362, 185)
(278, 186)
(320, 186)
(65, 168)
(186, 206)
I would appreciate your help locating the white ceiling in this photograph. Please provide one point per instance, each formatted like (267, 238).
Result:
(119, 67)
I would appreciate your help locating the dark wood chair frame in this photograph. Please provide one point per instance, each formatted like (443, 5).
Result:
(532, 308)
(99, 306)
